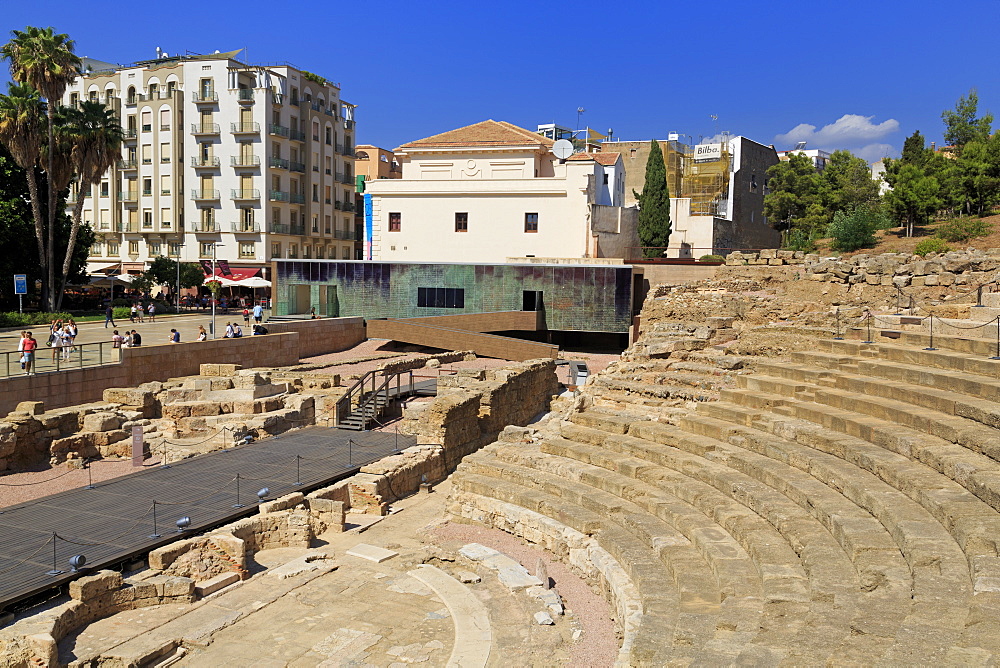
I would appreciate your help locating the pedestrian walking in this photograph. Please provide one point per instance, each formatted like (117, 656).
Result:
(73, 331)
(151, 310)
(109, 316)
(132, 313)
(246, 316)
(20, 347)
(28, 346)
(258, 313)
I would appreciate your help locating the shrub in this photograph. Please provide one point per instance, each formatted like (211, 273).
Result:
(931, 245)
(854, 229)
(963, 229)
(711, 258)
(13, 319)
(800, 240)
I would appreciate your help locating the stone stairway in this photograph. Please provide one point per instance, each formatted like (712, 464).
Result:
(841, 506)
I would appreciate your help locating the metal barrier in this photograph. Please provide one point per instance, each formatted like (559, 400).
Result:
(54, 359)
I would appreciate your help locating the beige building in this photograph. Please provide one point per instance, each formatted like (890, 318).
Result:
(492, 190)
(257, 161)
(372, 162)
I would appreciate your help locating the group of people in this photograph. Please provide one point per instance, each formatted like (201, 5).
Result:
(62, 338)
(132, 339)
(135, 313)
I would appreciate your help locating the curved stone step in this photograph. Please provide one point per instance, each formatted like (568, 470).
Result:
(980, 365)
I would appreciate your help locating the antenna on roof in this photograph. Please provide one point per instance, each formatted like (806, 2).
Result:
(579, 113)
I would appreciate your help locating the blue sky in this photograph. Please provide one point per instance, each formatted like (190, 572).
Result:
(854, 75)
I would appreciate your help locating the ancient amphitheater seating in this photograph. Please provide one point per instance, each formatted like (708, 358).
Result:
(840, 507)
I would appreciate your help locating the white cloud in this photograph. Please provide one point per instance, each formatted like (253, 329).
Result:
(850, 131)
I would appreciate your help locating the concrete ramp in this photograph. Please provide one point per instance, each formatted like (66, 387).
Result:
(417, 332)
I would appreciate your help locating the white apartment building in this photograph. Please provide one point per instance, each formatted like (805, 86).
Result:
(256, 162)
(491, 191)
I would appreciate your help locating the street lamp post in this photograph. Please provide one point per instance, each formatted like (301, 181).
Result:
(214, 246)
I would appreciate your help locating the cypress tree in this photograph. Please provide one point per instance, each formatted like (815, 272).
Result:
(654, 205)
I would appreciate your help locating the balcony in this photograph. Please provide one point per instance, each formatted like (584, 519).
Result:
(130, 101)
(129, 228)
(297, 166)
(297, 229)
(128, 196)
(347, 180)
(245, 227)
(159, 95)
(210, 162)
(338, 148)
(277, 130)
(344, 235)
(348, 206)
(110, 227)
(205, 97)
(349, 125)
(277, 196)
(316, 106)
(330, 112)
(295, 135)
(244, 95)
(280, 228)
(205, 128)
(245, 194)
(277, 163)
(206, 226)
(295, 198)
(244, 161)
(245, 128)
(127, 164)
(348, 151)
(204, 194)
(337, 205)
(277, 98)
(164, 191)
(128, 133)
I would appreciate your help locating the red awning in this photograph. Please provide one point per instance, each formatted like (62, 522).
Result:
(239, 274)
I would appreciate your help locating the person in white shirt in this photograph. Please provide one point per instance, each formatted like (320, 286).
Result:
(229, 331)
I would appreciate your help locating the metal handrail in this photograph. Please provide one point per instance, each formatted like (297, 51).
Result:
(346, 401)
(49, 360)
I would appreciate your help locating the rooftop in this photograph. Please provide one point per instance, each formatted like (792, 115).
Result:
(484, 133)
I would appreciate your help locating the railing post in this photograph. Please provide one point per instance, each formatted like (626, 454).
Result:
(899, 294)
(55, 567)
(869, 328)
(837, 336)
(979, 297)
(237, 504)
(155, 534)
(931, 347)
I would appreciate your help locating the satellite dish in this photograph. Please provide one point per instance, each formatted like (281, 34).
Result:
(562, 149)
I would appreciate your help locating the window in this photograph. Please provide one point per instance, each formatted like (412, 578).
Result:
(105, 219)
(329, 140)
(605, 178)
(165, 152)
(315, 227)
(321, 252)
(248, 249)
(175, 249)
(113, 249)
(441, 297)
(345, 253)
(147, 219)
(326, 219)
(147, 154)
(155, 248)
(147, 121)
(165, 218)
(276, 249)
(104, 188)
(133, 248)
(395, 221)
(205, 248)
(631, 153)
(531, 222)
(461, 222)
(165, 184)
(306, 251)
(165, 118)
(293, 251)
(96, 248)
(753, 182)
(147, 186)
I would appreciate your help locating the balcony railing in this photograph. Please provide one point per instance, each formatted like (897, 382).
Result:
(297, 229)
(204, 194)
(205, 226)
(296, 166)
(242, 226)
(128, 133)
(330, 112)
(204, 128)
(337, 205)
(248, 193)
(278, 130)
(245, 95)
(128, 196)
(345, 235)
(338, 148)
(348, 151)
(127, 164)
(110, 227)
(347, 180)
(279, 228)
(295, 135)
(205, 96)
(348, 206)
(130, 228)
(159, 95)
(244, 161)
(349, 125)
(245, 128)
(277, 163)
(316, 106)
(277, 196)
(295, 198)
(277, 98)
(339, 177)
(209, 162)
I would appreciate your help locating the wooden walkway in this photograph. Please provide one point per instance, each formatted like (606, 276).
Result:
(114, 522)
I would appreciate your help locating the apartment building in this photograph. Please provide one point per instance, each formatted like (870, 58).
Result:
(492, 191)
(250, 162)
(372, 163)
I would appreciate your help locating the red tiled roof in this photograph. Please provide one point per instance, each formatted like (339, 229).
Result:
(601, 158)
(484, 133)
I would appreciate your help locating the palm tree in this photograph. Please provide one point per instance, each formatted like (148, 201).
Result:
(45, 59)
(21, 121)
(91, 137)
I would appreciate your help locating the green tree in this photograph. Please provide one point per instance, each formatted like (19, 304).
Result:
(794, 201)
(163, 271)
(915, 149)
(21, 114)
(855, 228)
(846, 183)
(45, 60)
(654, 205)
(961, 124)
(91, 139)
(914, 195)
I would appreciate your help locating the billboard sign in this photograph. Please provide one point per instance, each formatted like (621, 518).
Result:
(20, 284)
(707, 152)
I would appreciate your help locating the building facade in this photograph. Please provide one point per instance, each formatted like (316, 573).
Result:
(252, 163)
(490, 191)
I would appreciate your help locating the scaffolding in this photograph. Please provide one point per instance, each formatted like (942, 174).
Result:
(706, 182)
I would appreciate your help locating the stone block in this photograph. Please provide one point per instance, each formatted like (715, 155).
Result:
(768, 254)
(161, 558)
(204, 408)
(30, 407)
(918, 281)
(178, 587)
(931, 279)
(128, 396)
(177, 411)
(92, 586)
(282, 503)
(101, 422)
(216, 583)
(946, 278)
(775, 261)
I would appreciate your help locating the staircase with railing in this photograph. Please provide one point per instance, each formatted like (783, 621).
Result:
(366, 400)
